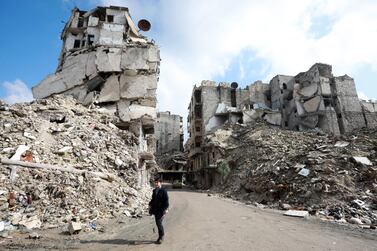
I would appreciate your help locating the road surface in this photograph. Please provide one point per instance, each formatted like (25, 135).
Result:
(199, 222)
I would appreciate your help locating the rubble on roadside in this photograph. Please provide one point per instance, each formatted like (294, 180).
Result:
(332, 177)
(87, 145)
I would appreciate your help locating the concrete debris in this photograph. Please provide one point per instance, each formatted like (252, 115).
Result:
(363, 160)
(86, 146)
(260, 163)
(304, 172)
(341, 144)
(74, 227)
(297, 213)
(354, 220)
(34, 236)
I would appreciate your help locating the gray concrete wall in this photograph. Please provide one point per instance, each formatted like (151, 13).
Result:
(168, 133)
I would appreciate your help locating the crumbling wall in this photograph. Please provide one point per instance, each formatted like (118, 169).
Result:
(348, 106)
(370, 113)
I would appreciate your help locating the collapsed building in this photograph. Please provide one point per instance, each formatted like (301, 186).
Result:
(105, 61)
(310, 100)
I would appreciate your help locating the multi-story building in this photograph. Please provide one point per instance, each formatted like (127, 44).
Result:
(169, 133)
(309, 100)
(106, 61)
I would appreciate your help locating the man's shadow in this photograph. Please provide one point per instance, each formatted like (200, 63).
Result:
(119, 242)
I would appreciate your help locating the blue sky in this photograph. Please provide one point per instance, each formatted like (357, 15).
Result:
(221, 40)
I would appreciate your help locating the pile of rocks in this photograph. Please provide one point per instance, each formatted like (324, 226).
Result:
(71, 164)
(334, 177)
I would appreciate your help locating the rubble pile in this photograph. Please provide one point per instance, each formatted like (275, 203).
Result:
(172, 161)
(334, 177)
(89, 168)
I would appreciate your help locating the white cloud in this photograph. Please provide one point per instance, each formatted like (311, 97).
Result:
(199, 39)
(16, 92)
(363, 96)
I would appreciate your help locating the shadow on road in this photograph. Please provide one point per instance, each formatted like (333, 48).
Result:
(119, 242)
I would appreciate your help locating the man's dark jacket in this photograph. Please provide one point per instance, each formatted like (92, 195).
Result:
(159, 202)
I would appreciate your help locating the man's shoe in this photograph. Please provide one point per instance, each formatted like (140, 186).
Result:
(159, 240)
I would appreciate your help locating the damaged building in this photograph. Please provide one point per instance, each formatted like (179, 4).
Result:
(315, 99)
(105, 61)
(169, 133)
(170, 154)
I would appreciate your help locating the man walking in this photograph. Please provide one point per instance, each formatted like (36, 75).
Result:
(158, 206)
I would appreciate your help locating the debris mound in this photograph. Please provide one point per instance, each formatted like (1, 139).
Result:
(63, 162)
(334, 177)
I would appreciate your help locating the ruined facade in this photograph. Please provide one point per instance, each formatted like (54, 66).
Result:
(106, 61)
(169, 133)
(317, 99)
(309, 100)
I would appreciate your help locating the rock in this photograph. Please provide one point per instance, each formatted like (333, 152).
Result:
(354, 220)
(127, 213)
(74, 227)
(366, 221)
(297, 213)
(304, 172)
(64, 150)
(341, 144)
(2, 226)
(34, 236)
(286, 206)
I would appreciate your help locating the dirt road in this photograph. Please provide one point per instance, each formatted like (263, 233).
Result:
(199, 222)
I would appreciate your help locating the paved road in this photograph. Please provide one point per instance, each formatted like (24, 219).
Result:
(199, 222)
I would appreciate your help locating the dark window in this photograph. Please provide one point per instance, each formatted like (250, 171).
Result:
(198, 96)
(83, 43)
(286, 123)
(197, 129)
(110, 18)
(90, 39)
(80, 22)
(233, 99)
(284, 86)
(198, 111)
(77, 44)
(327, 102)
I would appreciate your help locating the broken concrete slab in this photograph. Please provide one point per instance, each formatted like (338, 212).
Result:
(74, 227)
(273, 118)
(140, 86)
(31, 223)
(297, 213)
(363, 160)
(128, 112)
(110, 91)
(108, 59)
(309, 91)
(135, 58)
(312, 105)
